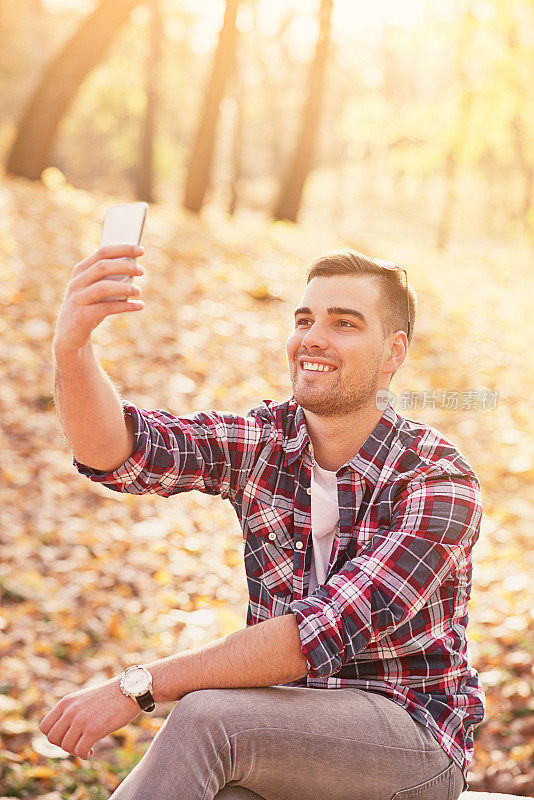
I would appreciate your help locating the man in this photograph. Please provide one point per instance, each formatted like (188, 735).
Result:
(358, 532)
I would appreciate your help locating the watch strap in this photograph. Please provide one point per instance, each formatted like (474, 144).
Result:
(146, 701)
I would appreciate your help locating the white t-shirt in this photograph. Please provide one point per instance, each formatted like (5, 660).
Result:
(325, 521)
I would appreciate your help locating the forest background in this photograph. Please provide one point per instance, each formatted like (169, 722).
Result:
(261, 133)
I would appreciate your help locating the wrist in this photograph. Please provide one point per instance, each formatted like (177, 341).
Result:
(63, 351)
(167, 684)
(128, 701)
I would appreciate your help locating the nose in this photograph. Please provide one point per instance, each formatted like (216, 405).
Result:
(315, 337)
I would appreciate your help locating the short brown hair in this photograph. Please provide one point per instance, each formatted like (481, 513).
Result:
(394, 314)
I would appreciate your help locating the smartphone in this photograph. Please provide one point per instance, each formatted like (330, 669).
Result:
(123, 225)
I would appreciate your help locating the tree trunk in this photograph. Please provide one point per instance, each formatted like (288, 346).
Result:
(527, 171)
(237, 143)
(301, 162)
(520, 138)
(198, 177)
(275, 100)
(59, 84)
(459, 138)
(145, 174)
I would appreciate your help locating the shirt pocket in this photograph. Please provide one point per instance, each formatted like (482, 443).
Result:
(269, 547)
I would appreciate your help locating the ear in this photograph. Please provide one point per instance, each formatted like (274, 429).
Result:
(395, 353)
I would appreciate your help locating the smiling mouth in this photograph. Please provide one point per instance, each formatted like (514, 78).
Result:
(310, 366)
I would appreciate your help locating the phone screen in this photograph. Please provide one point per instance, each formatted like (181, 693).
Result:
(124, 224)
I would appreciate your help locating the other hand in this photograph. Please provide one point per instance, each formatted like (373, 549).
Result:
(82, 718)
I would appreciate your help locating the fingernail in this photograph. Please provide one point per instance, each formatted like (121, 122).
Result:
(140, 249)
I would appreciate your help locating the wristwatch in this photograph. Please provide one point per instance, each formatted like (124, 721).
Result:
(136, 682)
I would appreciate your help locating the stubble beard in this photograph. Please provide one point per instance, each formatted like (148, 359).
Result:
(337, 397)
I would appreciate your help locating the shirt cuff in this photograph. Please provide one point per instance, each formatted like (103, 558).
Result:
(320, 629)
(130, 470)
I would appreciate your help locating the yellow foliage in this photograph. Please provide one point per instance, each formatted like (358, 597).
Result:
(89, 575)
(42, 772)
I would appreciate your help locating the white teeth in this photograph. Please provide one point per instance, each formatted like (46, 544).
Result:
(310, 365)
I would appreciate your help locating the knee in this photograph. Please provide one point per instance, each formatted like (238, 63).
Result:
(200, 707)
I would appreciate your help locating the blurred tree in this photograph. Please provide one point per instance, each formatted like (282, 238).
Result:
(145, 174)
(59, 84)
(519, 123)
(237, 143)
(23, 36)
(198, 176)
(290, 196)
(276, 65)
(460, 130)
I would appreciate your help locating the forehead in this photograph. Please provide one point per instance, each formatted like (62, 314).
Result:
(360, 292)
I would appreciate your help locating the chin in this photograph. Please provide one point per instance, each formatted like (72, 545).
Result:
(310, 402)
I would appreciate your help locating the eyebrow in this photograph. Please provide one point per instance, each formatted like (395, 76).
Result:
(335, 310)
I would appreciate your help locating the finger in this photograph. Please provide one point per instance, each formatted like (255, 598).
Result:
(110, 251)
(50, 719)
(72, 737)
(57, 732)
(105, 267)
(116, 307)
(131, 305)
(84, 747)
(101, 289)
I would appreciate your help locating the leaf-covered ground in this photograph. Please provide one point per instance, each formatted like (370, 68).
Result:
(91, 581)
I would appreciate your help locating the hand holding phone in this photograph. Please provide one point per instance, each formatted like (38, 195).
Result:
(89, 296)
(123, 225)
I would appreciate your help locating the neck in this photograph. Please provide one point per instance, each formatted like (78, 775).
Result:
(336, 440)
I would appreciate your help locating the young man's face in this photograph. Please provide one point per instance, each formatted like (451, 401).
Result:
(338, 329)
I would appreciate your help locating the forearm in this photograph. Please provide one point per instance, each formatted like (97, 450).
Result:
(265, 654)
(90, 410)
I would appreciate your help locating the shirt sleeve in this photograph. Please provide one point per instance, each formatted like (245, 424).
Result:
(209, 451)
(434, 525)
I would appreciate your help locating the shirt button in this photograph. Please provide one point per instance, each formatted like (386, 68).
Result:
(299, 545)
(272, 536)
(308, 490)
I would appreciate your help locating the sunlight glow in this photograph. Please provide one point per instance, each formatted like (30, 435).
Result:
(351, 19)
(84, 6)
(349, 15)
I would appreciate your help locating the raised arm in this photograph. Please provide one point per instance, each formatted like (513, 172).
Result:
(90, 410)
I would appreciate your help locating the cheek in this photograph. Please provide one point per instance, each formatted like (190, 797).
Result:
(292, 345)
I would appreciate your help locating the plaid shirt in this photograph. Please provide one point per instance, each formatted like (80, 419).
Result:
(391, 615)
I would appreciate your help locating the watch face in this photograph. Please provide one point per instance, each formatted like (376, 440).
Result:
(136, 682)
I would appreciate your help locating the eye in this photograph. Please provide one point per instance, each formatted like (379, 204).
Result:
(301, 321)
(346, 322)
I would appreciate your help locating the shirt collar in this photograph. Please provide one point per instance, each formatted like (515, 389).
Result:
(370, 458)
(298, 438)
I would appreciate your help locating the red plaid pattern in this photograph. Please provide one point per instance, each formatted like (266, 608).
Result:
(391, 616)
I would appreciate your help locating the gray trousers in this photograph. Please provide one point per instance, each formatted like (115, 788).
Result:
(291, 743)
